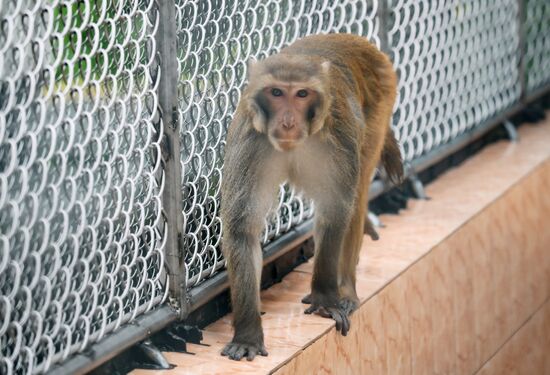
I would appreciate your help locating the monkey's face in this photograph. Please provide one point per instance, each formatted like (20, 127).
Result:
(288, 109)
(288, 98)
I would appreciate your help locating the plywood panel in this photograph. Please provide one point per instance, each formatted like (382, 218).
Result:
(527, 351)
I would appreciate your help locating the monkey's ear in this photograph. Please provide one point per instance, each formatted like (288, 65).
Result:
(325, 67)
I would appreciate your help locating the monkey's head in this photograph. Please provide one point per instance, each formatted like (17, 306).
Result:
(288, 98)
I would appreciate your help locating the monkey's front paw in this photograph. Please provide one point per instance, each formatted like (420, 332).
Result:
(236, 350)
(337, 313)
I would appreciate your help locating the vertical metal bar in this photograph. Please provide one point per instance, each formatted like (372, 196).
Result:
(383, 33)
(522, 49)
(172, 198)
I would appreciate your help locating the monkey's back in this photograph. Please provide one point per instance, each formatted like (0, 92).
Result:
(334, 47)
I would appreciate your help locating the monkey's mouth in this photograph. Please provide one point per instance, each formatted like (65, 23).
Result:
(285, 144)
(286, 141)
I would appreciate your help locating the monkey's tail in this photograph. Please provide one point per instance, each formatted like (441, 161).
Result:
(391, 158)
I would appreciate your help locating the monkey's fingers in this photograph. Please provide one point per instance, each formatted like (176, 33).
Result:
(310, 310)
(307, 299)
(339, 316)
(252, 352)
(237, 351)
(369, 229)
(373, 234)
(335, 313)
(342, 317)
(234, 351)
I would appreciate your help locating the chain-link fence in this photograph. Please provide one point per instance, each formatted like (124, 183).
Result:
(537, 44)
(84, 147)
(458, 66)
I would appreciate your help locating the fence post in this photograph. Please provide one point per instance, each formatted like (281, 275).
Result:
(521, 49)
(172, 197)
(383, 32)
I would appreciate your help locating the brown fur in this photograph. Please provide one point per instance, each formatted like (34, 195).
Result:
(333, 160)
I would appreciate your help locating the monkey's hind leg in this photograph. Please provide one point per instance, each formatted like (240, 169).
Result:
(349, 259)
(358, 226)
(325, 300)
(349, 304)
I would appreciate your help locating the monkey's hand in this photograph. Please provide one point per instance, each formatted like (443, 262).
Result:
(337, 312)
(237, 350)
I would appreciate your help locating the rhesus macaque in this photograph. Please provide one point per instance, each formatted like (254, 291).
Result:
(318, 116)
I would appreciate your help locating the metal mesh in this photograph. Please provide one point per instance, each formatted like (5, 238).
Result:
(80, 247)
(215, 40)
(537, 43)
(458, 66)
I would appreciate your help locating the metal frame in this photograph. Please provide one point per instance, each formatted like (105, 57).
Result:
(382, 13)
(521, 49)
(116, 343)
(168, 94)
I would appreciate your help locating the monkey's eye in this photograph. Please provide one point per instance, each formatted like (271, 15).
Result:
(301, 93)
(276, 92)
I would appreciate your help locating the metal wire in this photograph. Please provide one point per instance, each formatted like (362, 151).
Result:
(81, 251)
(537, 43)
(215, 41)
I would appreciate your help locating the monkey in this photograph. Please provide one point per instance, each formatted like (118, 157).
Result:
(316, 115)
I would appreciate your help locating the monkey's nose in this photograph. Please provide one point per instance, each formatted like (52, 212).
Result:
(288, 125)
(288, 121)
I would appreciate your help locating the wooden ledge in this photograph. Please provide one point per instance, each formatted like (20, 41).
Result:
(448, 283)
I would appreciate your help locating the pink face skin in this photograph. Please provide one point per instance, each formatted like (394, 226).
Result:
(290, 107)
